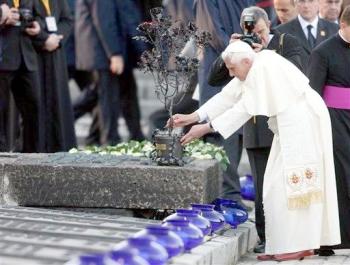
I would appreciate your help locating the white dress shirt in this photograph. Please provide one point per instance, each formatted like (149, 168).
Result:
(305, 23)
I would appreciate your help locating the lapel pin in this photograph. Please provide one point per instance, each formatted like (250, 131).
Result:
(322, 33)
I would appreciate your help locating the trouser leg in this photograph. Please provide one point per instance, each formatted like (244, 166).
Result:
(109, 104)
(258, 160)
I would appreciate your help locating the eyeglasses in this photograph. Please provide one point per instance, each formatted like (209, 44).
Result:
(334, 2)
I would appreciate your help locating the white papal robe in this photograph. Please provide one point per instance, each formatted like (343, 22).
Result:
(299, 191)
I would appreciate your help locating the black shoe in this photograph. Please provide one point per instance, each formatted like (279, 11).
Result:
(324, 252)
(260, 248)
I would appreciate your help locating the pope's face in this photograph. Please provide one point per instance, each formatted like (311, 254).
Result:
(285, 10)
(240, 69)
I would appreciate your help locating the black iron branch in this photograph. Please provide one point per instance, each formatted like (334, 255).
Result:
(171, 72)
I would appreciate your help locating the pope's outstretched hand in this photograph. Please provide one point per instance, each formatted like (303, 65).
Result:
(181, 120)
(197, 131)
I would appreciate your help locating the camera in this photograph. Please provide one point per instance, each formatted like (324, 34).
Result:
(26, 17)
(249, 36)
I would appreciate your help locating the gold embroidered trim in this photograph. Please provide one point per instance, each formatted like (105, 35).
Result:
(303, 201)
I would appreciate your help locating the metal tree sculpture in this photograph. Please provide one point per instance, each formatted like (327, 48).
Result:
(168, 40)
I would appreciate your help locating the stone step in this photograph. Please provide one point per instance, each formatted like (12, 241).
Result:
(33, 236)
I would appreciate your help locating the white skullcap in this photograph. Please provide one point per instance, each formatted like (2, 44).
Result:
(237, 46)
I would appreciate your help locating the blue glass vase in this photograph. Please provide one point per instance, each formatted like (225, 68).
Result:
(165, 237)
(215, 218)
(194, 217)
(247, 187)
(126, 257)
(145, 247)
(233, 215)
(219, 201)
(190, 234)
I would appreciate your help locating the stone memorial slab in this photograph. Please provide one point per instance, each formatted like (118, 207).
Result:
(92, 180)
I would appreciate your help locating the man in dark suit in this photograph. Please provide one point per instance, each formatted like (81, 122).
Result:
(18, 74)
(99, 47)
(308, 28)
(115, 49)
(257, 138)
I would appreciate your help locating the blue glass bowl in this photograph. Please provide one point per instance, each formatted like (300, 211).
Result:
(126, 257)
(232, 215)
(165, 237)
(145, 247)
(190, 234)
(247, 187)
(218, 201)
(194, 217)
(215, 218)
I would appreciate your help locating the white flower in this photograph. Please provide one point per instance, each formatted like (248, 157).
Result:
(73, 151)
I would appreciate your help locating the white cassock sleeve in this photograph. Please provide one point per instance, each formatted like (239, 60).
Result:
(222, 101)
(231, 120)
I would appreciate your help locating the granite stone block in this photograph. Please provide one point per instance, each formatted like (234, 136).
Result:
(81, 180)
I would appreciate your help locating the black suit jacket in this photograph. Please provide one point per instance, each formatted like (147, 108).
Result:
(256, 133)
(325, 29)
(16, 44)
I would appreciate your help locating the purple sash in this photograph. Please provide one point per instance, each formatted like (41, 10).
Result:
(337, 97)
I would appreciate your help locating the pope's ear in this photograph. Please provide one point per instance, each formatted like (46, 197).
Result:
(246, 61)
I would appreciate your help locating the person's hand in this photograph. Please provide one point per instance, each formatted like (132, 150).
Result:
(197, 131)
(5, 13)
(13, 17)
(117, 64)
(200, 54)
(34, 29)
(257, 47)
(52, 42)
(181, 120)
(235, 36)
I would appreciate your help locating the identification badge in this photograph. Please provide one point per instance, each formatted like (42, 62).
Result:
(51, 24)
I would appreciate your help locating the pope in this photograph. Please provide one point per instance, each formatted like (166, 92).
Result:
(299, 193)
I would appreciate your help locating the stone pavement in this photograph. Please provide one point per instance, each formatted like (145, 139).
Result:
(342, 257)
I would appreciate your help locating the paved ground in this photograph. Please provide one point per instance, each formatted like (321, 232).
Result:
(341, 257)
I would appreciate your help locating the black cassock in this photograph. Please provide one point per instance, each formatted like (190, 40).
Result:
(57, 127)
(330, 65)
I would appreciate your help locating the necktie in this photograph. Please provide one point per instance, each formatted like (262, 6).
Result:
(310, 38)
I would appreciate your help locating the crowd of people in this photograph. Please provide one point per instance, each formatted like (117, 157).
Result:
(256, 87)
